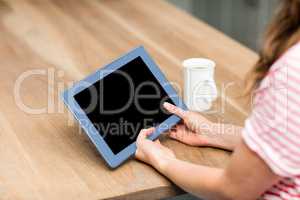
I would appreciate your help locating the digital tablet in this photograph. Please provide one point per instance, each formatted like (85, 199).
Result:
(113, 104)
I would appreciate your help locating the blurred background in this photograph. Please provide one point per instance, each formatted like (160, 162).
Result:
(243, 20)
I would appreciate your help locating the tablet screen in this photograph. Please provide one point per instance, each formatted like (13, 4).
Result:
(124, 102)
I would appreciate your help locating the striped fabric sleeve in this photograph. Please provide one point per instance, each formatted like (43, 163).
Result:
(273, 128)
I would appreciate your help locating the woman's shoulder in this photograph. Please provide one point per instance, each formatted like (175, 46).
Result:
(287, 66)
(294, 50)
(292, 57)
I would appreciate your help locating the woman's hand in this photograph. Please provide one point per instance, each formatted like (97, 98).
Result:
(196, 130)
(183, 134)
(192, 120)
(152, 152)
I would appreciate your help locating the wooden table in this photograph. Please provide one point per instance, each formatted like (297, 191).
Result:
(49, 44)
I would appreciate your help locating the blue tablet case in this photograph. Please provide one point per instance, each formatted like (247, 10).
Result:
(114, 160)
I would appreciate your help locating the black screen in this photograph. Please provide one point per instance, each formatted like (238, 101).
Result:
(124, 102)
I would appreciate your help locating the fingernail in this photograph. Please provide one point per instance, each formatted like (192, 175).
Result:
(167, 104)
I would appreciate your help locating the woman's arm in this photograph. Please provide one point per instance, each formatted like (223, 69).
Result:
(245, 177)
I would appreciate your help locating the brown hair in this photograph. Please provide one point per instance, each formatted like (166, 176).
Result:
(282, 33)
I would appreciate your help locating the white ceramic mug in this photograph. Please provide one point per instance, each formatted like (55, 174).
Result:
(199, 86)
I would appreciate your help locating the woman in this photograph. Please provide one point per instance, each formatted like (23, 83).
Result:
(265, 163)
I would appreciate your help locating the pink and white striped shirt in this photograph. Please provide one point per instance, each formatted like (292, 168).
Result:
(273, 129)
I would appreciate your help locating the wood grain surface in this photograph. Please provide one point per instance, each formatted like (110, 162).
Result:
(47, 45)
